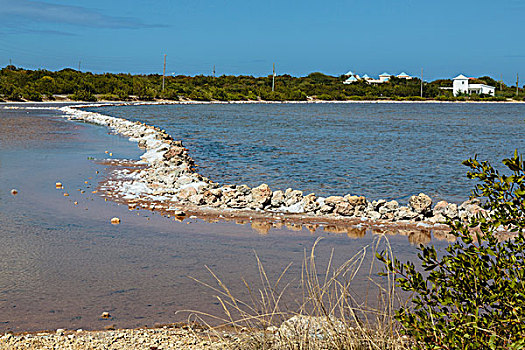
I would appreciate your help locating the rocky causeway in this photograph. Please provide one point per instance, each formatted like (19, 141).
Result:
(166, 179)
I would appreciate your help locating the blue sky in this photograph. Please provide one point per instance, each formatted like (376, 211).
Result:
(244, 37)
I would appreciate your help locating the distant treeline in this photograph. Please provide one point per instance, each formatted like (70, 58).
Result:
(18, 84)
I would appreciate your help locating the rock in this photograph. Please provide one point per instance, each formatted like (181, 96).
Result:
(277, 199)
(388, 207)
(179, 212)
(326, 209)
(60, 331)
(404, 213)
(105, 314)
(333, 200)
(261, 195)
(449, 210)
(174, 152)
(374, 215)
(186, 193)
(59, 185)
(197, 199)
(437, 219)
(310, 204)
(421, 203)
(344, 208)
(356, 200)
(317, 327)
(115, 221)
(14, 192)
(378, 204)
(469, 209)
(292, 197)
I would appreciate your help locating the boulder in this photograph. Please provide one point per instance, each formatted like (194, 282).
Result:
(356, 200)
(292, 197)
(333, 200)
(261, 195)
(388, 207)
(310, 203)
(405, 213)
(186, 193)
(277, 199)
(421, 203)
(344, 208)
(448, 210)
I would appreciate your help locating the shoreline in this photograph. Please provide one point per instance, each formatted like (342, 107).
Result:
(191, 102)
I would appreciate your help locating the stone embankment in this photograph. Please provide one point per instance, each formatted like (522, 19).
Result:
(169, 176)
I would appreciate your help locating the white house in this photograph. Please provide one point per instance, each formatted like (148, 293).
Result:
(403, 75)
(461, 85)
(383, 78)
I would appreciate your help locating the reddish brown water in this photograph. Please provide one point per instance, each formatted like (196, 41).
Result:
(62, 265)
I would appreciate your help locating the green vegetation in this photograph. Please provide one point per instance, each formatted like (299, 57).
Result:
(473, 297)
(17, 84)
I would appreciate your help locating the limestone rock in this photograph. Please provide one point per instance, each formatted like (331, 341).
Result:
(277, 199)
(310, 203)
(262, 195)
(344, 208)
(333, 200)
(449, 210)
(421, 203)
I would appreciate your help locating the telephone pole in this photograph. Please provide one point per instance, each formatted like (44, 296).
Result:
(79, 65)
(501, 82)
(421, 82)
(214, 71)
(517, 84)
(164, 72)
(273, 78)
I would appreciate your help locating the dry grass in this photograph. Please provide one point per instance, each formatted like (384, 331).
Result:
(328, 316)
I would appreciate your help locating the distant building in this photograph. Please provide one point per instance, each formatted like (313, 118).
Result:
(461, 85)
(403, 75)
(383, 78)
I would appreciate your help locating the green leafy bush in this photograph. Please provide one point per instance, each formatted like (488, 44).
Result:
(473, 297)
(83, 95)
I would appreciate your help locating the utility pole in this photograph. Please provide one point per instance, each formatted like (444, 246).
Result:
(421, 82)
(79, 65)
(164, 72)
(501, 82)
(214, 71)
(273, 78)
(10, 62)
(517, 84)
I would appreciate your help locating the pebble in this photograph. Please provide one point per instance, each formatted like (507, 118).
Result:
(115, 221)
(14, 192)
(59, 185)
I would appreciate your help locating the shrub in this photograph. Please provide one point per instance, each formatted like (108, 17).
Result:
(109, 97)
(83, 95)
(473, 297)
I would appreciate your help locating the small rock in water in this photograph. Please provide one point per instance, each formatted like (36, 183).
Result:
(105, 314)
(115, 221)
(59, 185)
(179, 213)
(60, 331)
(14, 192)
(66, 194)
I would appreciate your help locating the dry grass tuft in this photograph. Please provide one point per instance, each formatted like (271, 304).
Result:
(328, 316)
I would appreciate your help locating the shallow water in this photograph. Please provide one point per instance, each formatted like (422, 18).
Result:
(386, 150)
(62, 265)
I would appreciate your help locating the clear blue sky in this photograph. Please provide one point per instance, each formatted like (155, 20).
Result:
(445, 37)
